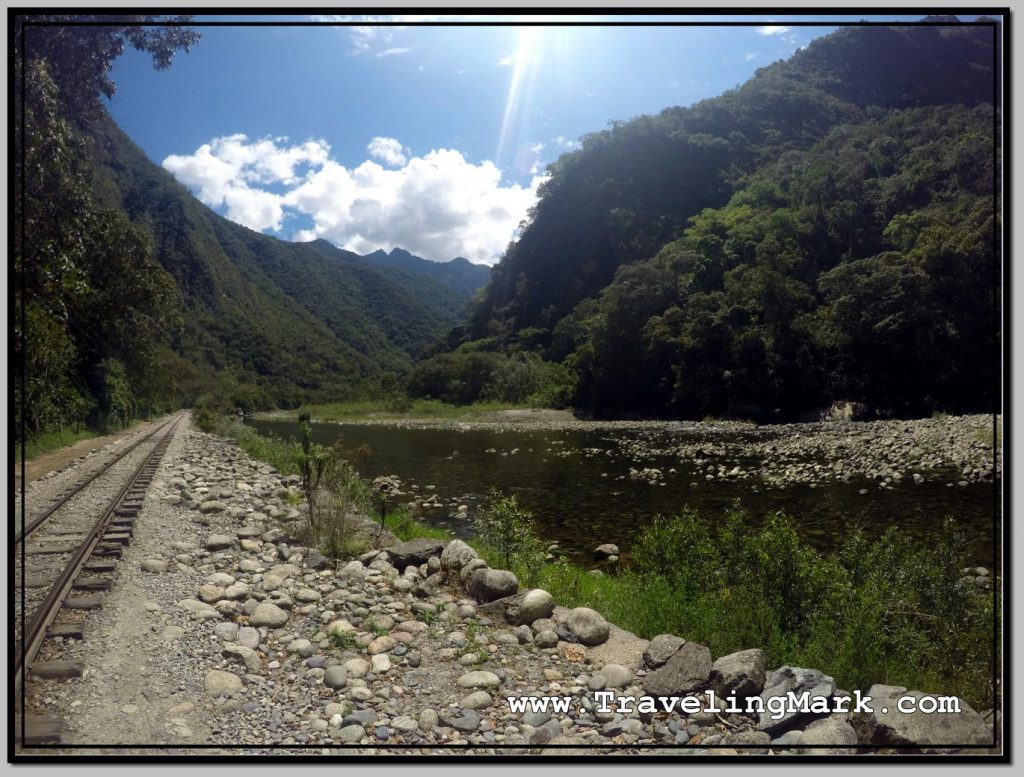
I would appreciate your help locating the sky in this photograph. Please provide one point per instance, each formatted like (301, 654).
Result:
(429, 138)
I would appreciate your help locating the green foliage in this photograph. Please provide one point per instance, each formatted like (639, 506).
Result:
(857, 270)
(92, 306)
(342, 641)
(469, 376)
(823, 232)
(51, 441)
(890, 611)
(401, 523)
(507, 529)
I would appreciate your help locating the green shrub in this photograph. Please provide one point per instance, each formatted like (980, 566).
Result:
(507, 529)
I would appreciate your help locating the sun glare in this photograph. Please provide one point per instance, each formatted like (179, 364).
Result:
(524, 71)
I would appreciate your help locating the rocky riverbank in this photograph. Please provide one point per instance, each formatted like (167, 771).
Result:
(955, 449)
(225, 629)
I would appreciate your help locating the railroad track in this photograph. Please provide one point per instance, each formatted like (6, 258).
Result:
(70, 566)
(31, 525)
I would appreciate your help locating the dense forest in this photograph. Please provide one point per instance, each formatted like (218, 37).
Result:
(131, 297)
(827, 231)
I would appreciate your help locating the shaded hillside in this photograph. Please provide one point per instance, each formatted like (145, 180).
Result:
(632, 188)
(289, 322)
(459, 274)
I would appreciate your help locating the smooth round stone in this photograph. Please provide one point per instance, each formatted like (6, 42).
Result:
(217, 682)
(477, 700)
(227, 632)
(303, 647)
(357, 667)
(616, 676)
(405, 724)
(546, 639)
(427, 720)
(479, 679)
(335, 677)
(351, 734)
(380, 664)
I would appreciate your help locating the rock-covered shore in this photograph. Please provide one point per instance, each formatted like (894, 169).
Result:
(224, 629)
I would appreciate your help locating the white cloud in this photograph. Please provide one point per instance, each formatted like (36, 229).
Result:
(438, 205)
(564, 144)
(222, 172)
(387, 150)
(772, 29)
(394, 51)
(749, 56)
(507, 61)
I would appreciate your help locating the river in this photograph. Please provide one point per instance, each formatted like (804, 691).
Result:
(578, 486)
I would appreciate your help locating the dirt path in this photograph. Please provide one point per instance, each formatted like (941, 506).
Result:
(48, 462)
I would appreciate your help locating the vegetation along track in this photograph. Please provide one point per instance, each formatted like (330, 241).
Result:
(74, 556)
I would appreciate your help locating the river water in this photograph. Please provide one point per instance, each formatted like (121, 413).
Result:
(577, 484)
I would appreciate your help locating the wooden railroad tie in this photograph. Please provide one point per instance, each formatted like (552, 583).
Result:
(39, 730)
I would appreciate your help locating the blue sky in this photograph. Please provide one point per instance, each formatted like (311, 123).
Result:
(432, 138)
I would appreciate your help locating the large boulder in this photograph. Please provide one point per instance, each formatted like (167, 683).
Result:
(685, 671)
(486, 585)
(661, 649)
(928, 730)
(456, 555)
(414, 552)
(793, 678)
(739, 674)
(521, 609)
(587, 626)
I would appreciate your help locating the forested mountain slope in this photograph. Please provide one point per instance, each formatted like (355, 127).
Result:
(825, 231)
(288, 321)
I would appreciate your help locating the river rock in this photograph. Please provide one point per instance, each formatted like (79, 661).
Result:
(522, 608)
(335, 677)
(616, 676)
(546, 639)
(457, 554)
(479, 679)
(739, 674)
(217, 682)
(835, 731)
(606, 550)
(588, 626)
(219, 542)
(686, 670)
(199, 610)
(247, 656)
(486, 585)
(210, 593)
(267, 614)
(927, 730)
(661, 649)
(248, 637)
(414, 552)
(477, 700)
(798, 680)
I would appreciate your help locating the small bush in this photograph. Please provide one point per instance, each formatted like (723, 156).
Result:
(507, 530)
